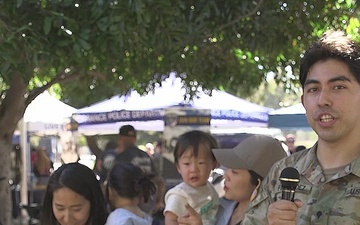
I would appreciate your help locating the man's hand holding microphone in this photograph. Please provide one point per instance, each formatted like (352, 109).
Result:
(285, 210)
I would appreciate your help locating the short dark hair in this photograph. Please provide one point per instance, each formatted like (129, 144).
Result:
(193, 139)
(332, 45)
(82, 180)
(127, 130)
(159, 143)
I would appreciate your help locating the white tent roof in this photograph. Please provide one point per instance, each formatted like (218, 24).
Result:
(46, 114)
(294, 109)
(171, 94)
(225, 108)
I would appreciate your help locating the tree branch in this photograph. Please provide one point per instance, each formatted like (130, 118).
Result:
(59, 78)
(354, 13)
(252, 12)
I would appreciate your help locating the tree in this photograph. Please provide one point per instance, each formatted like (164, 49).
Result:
(89, 50)
(274, 95)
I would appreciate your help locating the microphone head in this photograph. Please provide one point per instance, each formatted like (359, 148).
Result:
(289, 178)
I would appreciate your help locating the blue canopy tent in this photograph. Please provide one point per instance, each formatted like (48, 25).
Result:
(292, 117)
(147, 112)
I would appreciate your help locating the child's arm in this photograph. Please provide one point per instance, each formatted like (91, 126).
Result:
(171, 218)
(174, 207)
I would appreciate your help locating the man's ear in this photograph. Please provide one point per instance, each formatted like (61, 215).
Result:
(302, 100)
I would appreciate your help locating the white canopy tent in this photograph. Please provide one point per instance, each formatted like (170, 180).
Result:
(45, 115)
(147, 112)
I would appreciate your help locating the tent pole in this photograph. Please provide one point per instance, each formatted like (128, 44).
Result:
(24, 163)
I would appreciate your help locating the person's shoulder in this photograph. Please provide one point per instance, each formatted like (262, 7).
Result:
(299, 160)
(177, 192)
(212, 189)
(138, 151)
(119, 216)
(120, 212)
(130, 153)
(189, 190)
(178, 187)
(225, 211)
(148, 218)
(157, 155)
(227, 202)
(298, 156)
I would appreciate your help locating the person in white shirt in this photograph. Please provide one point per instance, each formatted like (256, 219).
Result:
(194, 161)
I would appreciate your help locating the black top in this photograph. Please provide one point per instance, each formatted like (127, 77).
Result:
(107, 159)
(137, 157)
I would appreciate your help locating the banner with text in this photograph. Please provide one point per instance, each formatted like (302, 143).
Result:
(118, 116)
(179, 120)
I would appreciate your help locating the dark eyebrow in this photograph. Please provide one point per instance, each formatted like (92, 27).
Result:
(310, 81)
(72, 206)
(339, 78)
(335, 79)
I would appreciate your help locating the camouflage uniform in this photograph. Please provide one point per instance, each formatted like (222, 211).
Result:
(336, 201)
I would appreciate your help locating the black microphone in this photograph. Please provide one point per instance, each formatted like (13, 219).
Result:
(289, 179)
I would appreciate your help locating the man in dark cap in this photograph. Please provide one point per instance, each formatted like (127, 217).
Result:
(125, 151)
(128, 152)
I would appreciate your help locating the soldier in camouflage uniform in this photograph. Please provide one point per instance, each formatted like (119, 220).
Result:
(329, 188)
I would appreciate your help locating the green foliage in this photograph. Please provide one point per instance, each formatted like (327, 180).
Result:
(112, 46)
(274, 95)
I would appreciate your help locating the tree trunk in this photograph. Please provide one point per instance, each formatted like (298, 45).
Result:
(12, 108)
(5, 192)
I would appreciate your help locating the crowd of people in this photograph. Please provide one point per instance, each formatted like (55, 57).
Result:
(327, 192)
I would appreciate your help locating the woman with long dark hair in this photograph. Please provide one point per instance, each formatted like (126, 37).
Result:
(73, 196)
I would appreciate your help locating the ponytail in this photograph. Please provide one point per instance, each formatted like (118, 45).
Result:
(145, 187)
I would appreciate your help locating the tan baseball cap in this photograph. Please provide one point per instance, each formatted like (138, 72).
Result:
(257, 152)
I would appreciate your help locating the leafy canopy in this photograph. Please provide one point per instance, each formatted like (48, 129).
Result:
(108, 47)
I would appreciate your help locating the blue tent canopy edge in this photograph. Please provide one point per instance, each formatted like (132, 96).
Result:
(288, 121)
